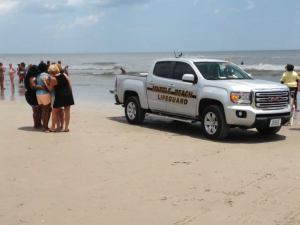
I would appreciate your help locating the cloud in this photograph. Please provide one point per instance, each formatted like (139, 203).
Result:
(50, 7)
(111, 3)
(216, 11)
(45, 7)
(7, 6)
(251, 4)
(75, 2)
(234, 10)
(80, 22)
(142, 6)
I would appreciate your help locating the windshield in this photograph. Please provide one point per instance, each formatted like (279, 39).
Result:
(221, 71)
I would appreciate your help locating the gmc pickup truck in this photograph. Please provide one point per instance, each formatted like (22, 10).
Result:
(216, 93)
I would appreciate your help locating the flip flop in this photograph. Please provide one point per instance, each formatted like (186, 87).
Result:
(67, 130)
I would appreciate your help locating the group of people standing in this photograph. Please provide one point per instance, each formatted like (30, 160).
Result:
(49, 91)
(21, 71)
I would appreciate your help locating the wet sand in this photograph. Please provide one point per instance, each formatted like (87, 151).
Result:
(105, 171)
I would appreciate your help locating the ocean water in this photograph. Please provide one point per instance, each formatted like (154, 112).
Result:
(93, 75)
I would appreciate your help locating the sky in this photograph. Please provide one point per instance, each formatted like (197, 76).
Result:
(121, 26)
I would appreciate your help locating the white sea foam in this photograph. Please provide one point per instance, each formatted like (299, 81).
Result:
(92, 67)
(262, 66)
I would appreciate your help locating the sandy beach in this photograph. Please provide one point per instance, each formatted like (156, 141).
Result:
(105, 171)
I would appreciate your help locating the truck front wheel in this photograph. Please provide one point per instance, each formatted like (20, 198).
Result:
(133, 111)
(213, 122)
(268, 130)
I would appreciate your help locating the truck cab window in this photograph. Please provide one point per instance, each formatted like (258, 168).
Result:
(162, 69)
(180, 69)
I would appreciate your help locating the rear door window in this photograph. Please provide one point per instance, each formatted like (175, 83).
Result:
(162, 69)
(182, 68)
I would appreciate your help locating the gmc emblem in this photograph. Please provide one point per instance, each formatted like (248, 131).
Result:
(274, 99)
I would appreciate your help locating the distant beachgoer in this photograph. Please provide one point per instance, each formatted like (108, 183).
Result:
(242, 63)
(291, 79)
(11, 72)
(60, 66)
(22, 72)
(66, 70)
(298, 97)
(18, 71)
(44, 97)
(63, 95)
(30, 95)
(123, 71)
(2, 70)
(227, 60)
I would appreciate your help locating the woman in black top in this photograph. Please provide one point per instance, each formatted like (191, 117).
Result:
(30, 95)
(63, 95)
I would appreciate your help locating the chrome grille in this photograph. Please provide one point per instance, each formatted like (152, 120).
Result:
(271, 100)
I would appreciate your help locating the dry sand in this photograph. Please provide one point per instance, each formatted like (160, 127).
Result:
(105, 171)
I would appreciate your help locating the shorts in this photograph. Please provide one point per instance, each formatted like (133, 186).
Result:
(44, 99)
(294, 91)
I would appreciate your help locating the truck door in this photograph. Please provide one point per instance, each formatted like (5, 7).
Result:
(183, 99)
(157, 86)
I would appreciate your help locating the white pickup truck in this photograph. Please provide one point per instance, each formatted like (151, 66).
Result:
(216, 93)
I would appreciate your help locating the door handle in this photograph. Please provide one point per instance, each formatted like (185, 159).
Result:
(152, 82)
(172, 85)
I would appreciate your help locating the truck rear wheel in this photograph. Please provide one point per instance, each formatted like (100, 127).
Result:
(213, 123)
(133, 111)
(268, 130)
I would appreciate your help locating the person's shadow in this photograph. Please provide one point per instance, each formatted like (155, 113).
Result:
(13, 91)
(30, 129)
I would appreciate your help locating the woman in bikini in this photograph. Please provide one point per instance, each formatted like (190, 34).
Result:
(2, 70)
(44, 97)
(11, 72)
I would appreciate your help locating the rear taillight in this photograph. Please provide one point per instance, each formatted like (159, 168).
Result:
(116, 84)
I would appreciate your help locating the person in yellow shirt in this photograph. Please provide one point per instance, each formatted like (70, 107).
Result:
(290, 78)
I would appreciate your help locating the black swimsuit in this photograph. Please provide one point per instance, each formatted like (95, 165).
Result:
(63, 93)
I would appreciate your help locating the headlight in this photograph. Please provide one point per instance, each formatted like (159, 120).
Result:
(241, 97)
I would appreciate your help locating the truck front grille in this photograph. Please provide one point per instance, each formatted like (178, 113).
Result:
(272, 100)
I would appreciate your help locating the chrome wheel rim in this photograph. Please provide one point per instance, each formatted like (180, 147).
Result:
(131, 110)
(211, 123)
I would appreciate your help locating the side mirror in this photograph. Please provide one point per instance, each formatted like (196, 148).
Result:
(190, 78)
(250, 75)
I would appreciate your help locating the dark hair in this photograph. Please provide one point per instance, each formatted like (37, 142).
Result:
(32, 72)
(289, 67)
(42, 67)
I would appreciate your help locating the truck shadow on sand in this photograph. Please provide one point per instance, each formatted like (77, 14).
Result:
(235, 135)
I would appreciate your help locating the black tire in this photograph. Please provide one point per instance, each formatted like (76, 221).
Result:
(268, 130)
(220, 129)
(133, 111)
